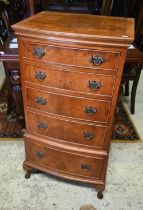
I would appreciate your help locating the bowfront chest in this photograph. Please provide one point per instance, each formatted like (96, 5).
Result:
(71, 67)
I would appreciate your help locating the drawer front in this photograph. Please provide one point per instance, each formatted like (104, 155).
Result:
(72, 132)
(72, 56)
(45, 76)
(82, 108)
(63, 161)
(89, 83)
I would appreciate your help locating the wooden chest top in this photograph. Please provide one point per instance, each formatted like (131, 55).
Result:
(117, 30)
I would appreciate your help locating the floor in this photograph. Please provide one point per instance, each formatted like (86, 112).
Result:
(124, 183)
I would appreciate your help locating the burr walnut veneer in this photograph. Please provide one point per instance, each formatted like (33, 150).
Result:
(71, 67)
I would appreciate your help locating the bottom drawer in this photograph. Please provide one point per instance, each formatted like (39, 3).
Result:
(69, 163)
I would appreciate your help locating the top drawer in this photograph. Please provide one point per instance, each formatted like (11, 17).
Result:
(72, 56)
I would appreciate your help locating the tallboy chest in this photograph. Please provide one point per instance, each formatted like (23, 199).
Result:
(71, 67)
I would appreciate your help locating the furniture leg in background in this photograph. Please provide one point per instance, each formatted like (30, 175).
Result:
(11, 65)
(10, 13)
(133, 75)
(132, 71)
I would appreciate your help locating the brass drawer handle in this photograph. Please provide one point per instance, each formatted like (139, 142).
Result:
(39, 52)
(88, 135)
(40, 75)
(42, 125)
(39, 154)
(97, 60)
(85, 167)
(94, 85)
(90, 111)
(40, 100)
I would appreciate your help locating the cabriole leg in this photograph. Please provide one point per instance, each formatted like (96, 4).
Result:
(28, 170)
(100, 189)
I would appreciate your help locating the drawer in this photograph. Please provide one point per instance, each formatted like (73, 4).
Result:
(72, 56)
(82, 108)
(89, 82)
(70, 131)
(64, 161)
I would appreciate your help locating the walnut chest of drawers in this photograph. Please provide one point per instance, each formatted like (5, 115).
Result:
(71, 67)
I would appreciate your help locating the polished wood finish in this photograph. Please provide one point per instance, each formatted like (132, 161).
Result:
(68, 80)
(55, 54)
(74, 107)
(72, 26)
(71, 68)
(57, 127)
(75, 164)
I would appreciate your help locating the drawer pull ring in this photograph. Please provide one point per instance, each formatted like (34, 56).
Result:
(88, 135)
(39, 52)
(40, 75)
(42, 125)
(40, 154)
(90, 111)
(97, 60)
(85, 167)
(94, 85)
(40, 100)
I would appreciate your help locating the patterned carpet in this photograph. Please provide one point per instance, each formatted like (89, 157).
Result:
(123, 128)
(9, 126)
